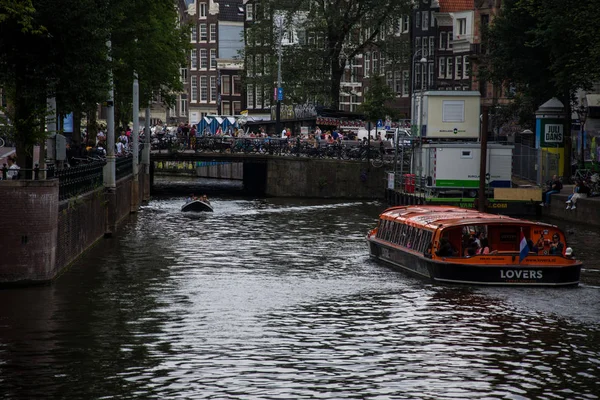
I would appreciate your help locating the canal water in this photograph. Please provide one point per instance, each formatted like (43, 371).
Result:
(277, 299)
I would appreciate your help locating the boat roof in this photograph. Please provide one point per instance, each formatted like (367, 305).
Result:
(435, 217)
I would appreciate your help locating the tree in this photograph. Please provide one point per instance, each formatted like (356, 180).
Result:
(326, 36)
(146, 38)
(543, 48)
(58, 48)
(376, 105)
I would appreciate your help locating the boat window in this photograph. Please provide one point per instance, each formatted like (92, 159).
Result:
(466, 154)
(397, 229)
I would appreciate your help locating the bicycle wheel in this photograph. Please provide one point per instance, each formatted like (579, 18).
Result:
(377, 162)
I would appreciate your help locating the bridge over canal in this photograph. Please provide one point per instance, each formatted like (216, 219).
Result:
(292, 176)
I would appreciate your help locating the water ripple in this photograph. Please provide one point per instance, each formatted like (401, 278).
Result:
(277, 299)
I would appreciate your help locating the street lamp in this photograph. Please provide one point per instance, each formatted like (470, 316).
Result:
(582, 114)
(423, 62)
(279, 21)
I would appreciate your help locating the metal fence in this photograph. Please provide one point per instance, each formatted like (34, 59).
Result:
(527, 160)
(79, 179)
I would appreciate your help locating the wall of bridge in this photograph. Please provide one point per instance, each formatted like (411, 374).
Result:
(323, 178)
(41, 235)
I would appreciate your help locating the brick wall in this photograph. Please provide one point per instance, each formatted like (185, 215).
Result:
(81, 222)
(40, 236)
(28, 230)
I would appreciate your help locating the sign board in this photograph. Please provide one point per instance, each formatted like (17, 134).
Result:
(280, 94)
(304, 130)
(390, 180)
(553, 133)
(550, 132)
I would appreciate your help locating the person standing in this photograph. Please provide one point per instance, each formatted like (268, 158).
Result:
(13, 168)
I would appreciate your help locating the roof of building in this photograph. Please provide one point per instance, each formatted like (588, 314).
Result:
(231, 10)
(456, 5)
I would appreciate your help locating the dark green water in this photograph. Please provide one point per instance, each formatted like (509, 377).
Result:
(277, 299)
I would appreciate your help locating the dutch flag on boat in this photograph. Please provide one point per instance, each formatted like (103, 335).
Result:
(523, 246)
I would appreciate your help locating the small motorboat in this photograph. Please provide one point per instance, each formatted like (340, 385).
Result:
(197, 205)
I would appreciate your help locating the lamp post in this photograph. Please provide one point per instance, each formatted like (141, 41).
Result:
(423, 62)
(279, 23)
(582, 114)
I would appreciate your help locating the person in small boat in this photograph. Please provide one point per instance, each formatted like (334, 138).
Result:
(556, 247)
(204, 198)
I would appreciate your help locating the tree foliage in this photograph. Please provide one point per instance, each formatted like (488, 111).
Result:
(542, 49)
(327, 34)
(59, 48)
(377, 101)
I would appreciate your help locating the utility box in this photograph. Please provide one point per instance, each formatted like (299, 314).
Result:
(449, 114)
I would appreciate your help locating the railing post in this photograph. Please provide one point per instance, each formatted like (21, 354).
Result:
(4, 171)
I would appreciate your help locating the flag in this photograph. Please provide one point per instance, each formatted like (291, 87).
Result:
(524, 247)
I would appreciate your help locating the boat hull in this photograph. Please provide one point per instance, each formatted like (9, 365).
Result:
(476, 274)
(196, 205)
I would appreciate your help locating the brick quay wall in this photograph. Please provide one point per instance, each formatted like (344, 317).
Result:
(42, 235)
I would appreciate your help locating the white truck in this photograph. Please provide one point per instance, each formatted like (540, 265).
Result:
(453, 168)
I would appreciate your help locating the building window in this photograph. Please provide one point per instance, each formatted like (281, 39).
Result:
(249, 13)
(405, 81)
(367, 64)
(213, 32)
(194, 59)
(250, 65)
(237, 107)
(237, 85)
(389, 80)
(424, 75)
(443, 40)
(183, 105)
(213, 58)
(418, 76)
(259, 96)
(184, 74)
(465, 67)
(418, 44)
(462, 26)
(418, 20)
(194, 33)
(225, 84)
(425, 49)
(458, 65)
(266, 64)
(203, 36)
(449, 68)
(213, 88)
(226, 106)
(203, 89)
(405, 23)
(425, 24)
(194, 89)
(432, 44)
(430, 80)
(442, 67)
(250, 96)
(203, 59)
(202, 7)
(375, 63)
(397, 82)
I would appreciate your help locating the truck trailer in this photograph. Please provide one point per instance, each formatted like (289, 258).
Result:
(453, 168)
